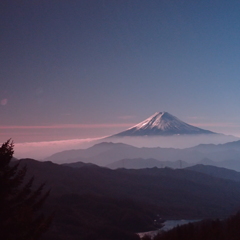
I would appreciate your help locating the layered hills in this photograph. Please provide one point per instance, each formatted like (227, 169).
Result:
(119, 155)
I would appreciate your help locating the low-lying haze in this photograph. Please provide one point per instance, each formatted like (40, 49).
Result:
(40, 150)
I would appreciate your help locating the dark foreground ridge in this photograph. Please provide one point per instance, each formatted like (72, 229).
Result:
(92, 202)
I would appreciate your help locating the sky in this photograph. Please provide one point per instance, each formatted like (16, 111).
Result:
(91, 68)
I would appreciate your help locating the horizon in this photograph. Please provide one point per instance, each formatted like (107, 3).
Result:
(42, 149)
(103, 130)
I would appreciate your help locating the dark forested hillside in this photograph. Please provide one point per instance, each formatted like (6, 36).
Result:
(91, 217)
(89, 199)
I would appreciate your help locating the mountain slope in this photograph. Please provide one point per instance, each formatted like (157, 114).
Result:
(162, 123)
(235, 145)
(216, 172)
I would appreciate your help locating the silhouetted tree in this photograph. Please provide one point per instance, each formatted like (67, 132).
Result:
(19, 204)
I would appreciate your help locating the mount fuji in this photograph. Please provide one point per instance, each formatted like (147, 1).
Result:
(162, 124)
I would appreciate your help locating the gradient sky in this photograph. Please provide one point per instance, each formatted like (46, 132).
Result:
(90, 68)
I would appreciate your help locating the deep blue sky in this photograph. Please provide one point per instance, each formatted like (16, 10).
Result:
(88, 68)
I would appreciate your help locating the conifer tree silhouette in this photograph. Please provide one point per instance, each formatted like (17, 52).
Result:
(20, 218)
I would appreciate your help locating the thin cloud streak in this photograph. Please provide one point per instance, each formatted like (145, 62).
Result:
(111, 125)
(66, 126)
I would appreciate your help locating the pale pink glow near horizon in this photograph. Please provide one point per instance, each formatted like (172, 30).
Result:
(107, 125)
(59, 132)
(40, 150)
(59, 126)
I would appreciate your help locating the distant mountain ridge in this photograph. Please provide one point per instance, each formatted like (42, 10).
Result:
(235, 145)
(118, 155)
(163, 124)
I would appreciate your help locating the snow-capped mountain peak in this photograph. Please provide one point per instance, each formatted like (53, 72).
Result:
(162, 123)
(159, 120)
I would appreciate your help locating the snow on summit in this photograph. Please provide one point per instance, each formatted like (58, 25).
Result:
(159, 120)
(162, 123)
